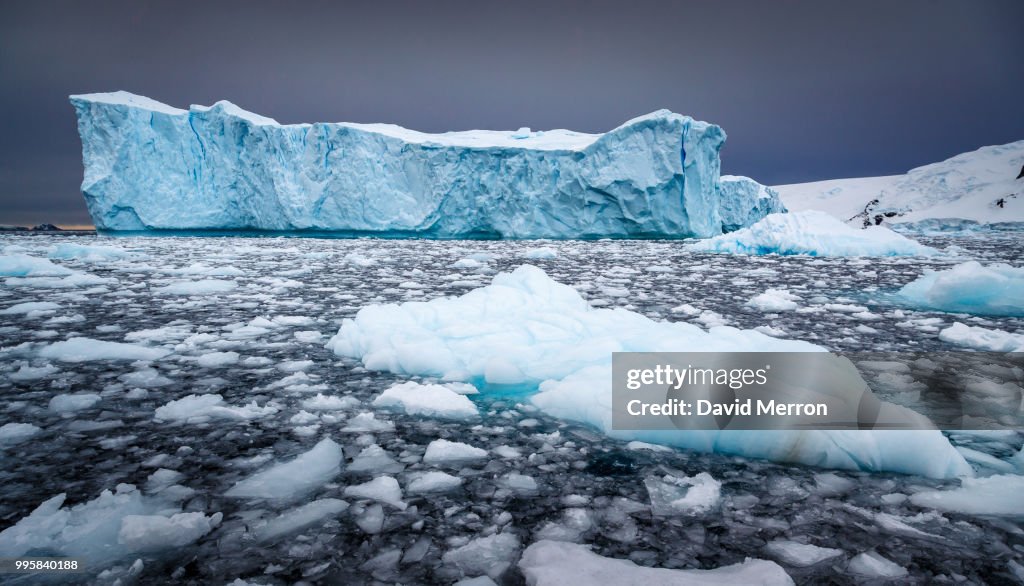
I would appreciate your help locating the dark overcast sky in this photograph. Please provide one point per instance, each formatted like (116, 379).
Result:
(805, 90)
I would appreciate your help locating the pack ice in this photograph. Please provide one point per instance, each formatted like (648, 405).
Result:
(528, 331)
(225, 168)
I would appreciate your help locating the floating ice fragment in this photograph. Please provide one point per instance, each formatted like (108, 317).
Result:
(800, 555)
(294, 478)
(542, 253)
(15, 433)
(156, 532)
(428, 400)
(383, 489)
(301, 517)
(432, 482)
(205, 287)
(688, 495)
(199, 408)
(518, 483)
(92, 253)
(87, 349)
(774, 300)
(872, 565)
(982, 338)
(217, 359)
(29, 373)
(105, 529)
(23, 265)
(554, 563)
(442, 451)
(969, 288)
(30, 307)
(490, 555)
(367, 423)
(374, 459)
(68, 404)
(323, 402)
(994, 495)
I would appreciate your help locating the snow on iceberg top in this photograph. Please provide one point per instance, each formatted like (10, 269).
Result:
(812, 233)
(123, 98)
(525, 138)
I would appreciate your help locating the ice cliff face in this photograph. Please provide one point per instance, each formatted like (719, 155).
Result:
(745, 201)
(149, 166)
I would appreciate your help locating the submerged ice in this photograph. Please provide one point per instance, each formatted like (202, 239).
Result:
(654, 176)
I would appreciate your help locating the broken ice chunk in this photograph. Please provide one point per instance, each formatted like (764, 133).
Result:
(489, 555)
(801, 555)
(427, 400)
(294, 478)
(673, 495)
(442, 451)
(872, 565)
(374, 459)
(432, 482)
(300, 518)
(382, 489)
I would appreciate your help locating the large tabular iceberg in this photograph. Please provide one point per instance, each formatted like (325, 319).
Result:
(527, 330)
(149, 166)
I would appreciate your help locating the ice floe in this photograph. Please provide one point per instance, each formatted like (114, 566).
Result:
(87, 349)
(294, 478)
(442, 451)
(994, 495)
(812, 233)
(556, 563)
(969, 287)
(201, 408)
(428, 400)
(526, 329)
(982, 338)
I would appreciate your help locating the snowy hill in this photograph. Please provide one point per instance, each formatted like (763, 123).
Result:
(980, 186)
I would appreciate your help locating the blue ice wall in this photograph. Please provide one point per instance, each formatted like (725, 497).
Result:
(149, 166)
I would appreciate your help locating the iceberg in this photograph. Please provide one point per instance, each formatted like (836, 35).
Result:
(812, 233)
(971, 288)
(533, 333)
(150, 167)
(745, 201)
